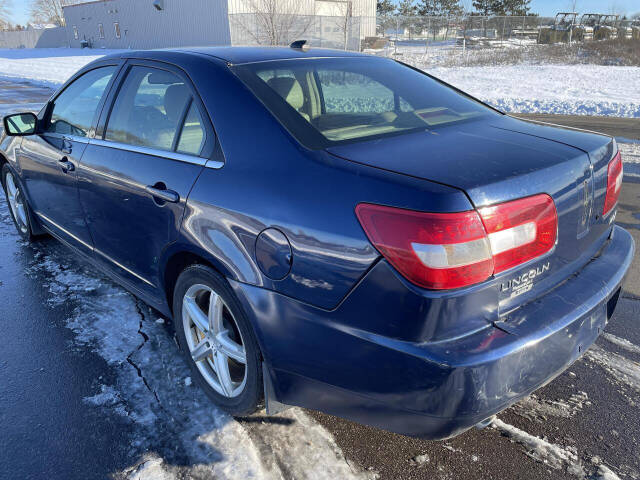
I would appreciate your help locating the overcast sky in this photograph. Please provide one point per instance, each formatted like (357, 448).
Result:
(545, 8)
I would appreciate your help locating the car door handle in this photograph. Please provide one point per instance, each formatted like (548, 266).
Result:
(163, 194)
(65, 165)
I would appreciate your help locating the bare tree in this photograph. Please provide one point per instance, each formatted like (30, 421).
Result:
(47, 11)
(5, 13)
(273, 22)
(341, 16)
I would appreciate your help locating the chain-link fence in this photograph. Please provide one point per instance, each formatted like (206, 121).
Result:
(506, 40)
(392, 35)
(381, 33)
(462, 31)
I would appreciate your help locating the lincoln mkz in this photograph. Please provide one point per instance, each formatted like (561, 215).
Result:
(328, 229)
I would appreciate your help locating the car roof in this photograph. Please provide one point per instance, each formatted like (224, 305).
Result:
(240, 55)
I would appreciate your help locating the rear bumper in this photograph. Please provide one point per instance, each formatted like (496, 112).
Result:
(434, 389)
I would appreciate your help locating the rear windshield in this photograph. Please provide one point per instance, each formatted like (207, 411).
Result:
(329, 101)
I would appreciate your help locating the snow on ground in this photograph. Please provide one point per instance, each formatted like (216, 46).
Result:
(553, 455)
(559, 89)
(539, 409)
(541, 450)
(46, 66)
(179, 433)
(623, 372)
(621, 342)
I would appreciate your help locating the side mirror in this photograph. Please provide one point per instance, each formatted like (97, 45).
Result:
(20, 124)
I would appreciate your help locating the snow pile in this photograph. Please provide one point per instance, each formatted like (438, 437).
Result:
(559, 89)
(605, 473)
(622, 369)
(621, 342)
(622, 372)
(553, 455)
(419, 460)
(540, 409)
(541, 450)
(108, 397)
(47, 66)
(293, 445)
(150, 468)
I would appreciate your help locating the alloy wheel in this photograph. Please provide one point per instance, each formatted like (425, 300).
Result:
(214, 340)
(16, 203)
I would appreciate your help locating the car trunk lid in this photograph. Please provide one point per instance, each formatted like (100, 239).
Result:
(505, 160)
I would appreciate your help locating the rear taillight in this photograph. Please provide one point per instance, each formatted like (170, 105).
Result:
(614, 183)
(451, 250)
(433, 250)
(520, 230)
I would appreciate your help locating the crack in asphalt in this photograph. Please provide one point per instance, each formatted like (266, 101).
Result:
(145, 339)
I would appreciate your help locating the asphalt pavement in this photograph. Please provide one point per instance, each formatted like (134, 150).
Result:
(91, 387)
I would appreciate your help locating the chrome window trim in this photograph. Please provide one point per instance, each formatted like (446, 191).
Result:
(156, 152)
(214, 164)
(180, 157)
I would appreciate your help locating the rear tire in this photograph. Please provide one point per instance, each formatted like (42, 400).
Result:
(217, 340)
(21, 213)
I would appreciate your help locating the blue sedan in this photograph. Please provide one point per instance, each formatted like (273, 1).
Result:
(329, 229)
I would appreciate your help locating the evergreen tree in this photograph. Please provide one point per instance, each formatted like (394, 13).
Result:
(484, 7)
(439, 7)
(406, 8)
(385, 7)
(513, 7)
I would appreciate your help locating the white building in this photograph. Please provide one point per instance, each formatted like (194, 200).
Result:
(142, 24)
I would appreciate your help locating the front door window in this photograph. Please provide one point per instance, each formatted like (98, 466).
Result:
(75, 108)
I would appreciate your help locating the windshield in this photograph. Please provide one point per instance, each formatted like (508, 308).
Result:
(329, 101)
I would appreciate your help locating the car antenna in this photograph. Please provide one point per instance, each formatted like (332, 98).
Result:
(300, 45)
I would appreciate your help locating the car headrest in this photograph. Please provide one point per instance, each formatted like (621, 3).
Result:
(175, 100)
(289, 89)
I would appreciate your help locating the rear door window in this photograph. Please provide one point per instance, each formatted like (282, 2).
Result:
(192, 136)
(155, 109)
(149, 108)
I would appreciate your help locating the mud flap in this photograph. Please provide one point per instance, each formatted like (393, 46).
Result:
(271, 405)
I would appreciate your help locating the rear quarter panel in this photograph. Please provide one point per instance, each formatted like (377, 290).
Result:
(269, 180)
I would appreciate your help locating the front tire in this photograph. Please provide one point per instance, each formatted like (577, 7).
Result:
(18, 206)
(217, 340)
